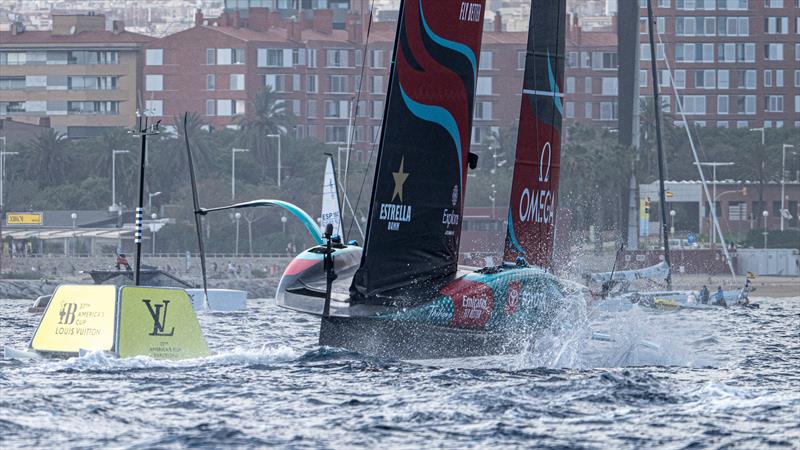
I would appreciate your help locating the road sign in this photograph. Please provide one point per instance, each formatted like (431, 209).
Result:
(690, 238)
(23, 218)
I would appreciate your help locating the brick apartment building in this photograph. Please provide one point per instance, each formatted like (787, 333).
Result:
(80, 75)
(737, 62)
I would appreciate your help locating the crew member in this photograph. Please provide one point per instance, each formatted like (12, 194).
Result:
(719, 297)
(704, 295)
(122, 261)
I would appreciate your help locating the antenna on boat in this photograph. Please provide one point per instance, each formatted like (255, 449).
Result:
(198, 213)
(657, 109)
(143, 131)
(330, 275)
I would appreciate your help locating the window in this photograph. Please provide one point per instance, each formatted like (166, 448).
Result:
(587, 85)
(486, 60)
(741, 52)
(298, 57)
(570, 106)
(270, 57)
(733, 26)
(312, 62)
(644, 54)
(311, 84)
(680, 78)
(377, 109)
(377, 59)
(337, 83)
(797, 78)
(773, 52)
(483, 110)
(722, 104)
(587, 110)
(723, 79)
(276, 81)
(211, 109)
(336, 58)
(311, 109)
(13, 58)
(12, 82)
(85, 83)
(585, 61)
(93, 108)
(745, 104)
(694, 104)
(745, 79)
(570, 85)
(521, 60)
(211, 57)
(722, 124)
(608, 111)
(572, 59)
(237, 81)
(773, 3)
(86, 57)
(335, 134)
(704, 79)
(154, 82)
(337, 109)
(224, 58)
(484, 86)
(224, 108)
(606, 60)
(154, 56)
(643, 78)
(737, 211)
(797, 45)
(479, 135)
(211, 82)
(767, 78)
(154, 108)
(238, 56)
(773, 103)
(776, 25)
(377, 84)
(610, 86)
(797, 104)
(732, 5)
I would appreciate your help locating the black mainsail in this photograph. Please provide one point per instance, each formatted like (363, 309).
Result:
(417, 198)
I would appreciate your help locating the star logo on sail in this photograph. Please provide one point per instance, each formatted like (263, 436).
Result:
(399, 180)
(392, 212)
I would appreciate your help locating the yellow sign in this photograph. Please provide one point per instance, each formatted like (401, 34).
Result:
(23, 218)
(77, 317)
(668, 194)
(160, 323)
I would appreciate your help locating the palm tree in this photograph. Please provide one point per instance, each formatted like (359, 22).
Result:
(47, 160)
(269, 117)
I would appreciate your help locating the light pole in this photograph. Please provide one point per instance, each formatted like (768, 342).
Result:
(150, 200)
(765, 214)
(783, 180)
(283, 223)
(713, 165)
(278, 136)
(114, 206)
(153, 230)
(672, 222)
(237, 216)
(74, 217)
(234, 151)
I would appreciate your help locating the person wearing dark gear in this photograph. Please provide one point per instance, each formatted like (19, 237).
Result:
(719, 297)
(122, 262)
(704, 295)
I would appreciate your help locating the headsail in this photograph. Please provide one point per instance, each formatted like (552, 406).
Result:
(331, 207)
(417, 198)
(532, 209)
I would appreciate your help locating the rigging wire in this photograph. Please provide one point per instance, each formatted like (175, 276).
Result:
(679, 104)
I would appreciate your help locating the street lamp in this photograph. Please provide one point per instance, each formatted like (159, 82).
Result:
(153, 230)
(114, 206)
(783, 181)
(150, 200)
(278, 136)
(714, 165)
(283, 223)
(672, 221)
(234, 151)
(74, 217)
(237, 216)
(765, 214)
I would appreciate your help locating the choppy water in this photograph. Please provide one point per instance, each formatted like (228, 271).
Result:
(723, 378)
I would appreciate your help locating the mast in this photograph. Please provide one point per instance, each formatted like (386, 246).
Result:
(657, 109)
(143, 132)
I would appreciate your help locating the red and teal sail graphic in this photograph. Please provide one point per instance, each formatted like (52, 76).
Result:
(417, 199)
(532, 209)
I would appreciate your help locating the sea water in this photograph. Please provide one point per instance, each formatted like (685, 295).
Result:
(630, 378)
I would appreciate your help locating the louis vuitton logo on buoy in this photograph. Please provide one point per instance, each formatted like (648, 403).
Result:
(159, 319)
